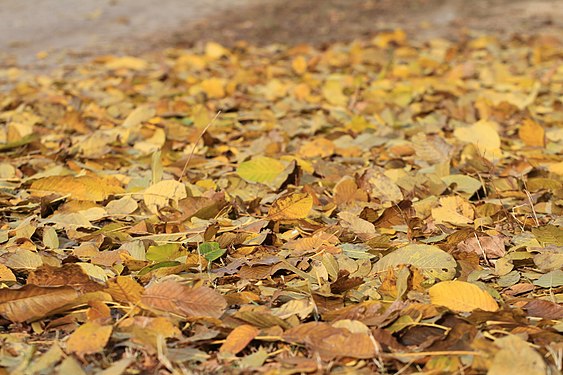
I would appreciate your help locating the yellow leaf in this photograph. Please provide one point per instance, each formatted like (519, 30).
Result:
(531, 133)
(213, 87)
(6, 275)
(484, 135)
(239, 338)
(556, 168)
(86, 188)
(318, 147)
(333, 93)
(126, 62)
(461, 296)
(299, 65)
(90, 337)
(295, 206)
(138, 115)
(260, 169)
(215, 51)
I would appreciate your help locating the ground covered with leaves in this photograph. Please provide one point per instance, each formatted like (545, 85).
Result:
(382, 206)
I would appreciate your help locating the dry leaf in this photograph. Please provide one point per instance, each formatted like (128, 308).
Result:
(170, 296)
(461, 296)
(33, 302)
(162, 193)
(91, 337)
(86, 188)
(290, 207)
(531, 133)
(260, 169)
(239, 338)
(125, 289)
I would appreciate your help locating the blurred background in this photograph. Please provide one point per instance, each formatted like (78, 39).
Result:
(51, 31)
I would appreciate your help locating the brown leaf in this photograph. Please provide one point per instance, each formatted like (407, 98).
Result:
(491, 246)
(68, 274)
(544, 309)
(33, 302)
(239, 338)
(182, 300)
(331, 342)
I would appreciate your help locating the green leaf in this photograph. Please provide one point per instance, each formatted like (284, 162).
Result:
(551, 279)
(211, 251)
(260, 169)
(156, 266)
(431, 260)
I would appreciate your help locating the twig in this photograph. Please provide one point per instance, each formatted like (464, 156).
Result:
(196, 142)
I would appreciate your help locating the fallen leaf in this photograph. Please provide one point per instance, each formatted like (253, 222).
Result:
(290, 207)
(431, 260)
(516, 356)
(33, 302)
(461, 296)
(531, 133)
(239, 338)
(125, 289)
(260, 169)
(170, 296)
(161, 194)
(91, 337)
(86, 188)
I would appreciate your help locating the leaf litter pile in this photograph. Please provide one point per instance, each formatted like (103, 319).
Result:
(382, 206)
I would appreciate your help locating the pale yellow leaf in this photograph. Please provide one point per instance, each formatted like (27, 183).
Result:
(484, 135)
(162, 193)
(6, 275)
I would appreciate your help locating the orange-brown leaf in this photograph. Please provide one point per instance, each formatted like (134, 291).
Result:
(33, 302)
(239, 338)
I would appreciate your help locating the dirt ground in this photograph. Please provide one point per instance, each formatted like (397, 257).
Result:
(50, 32)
